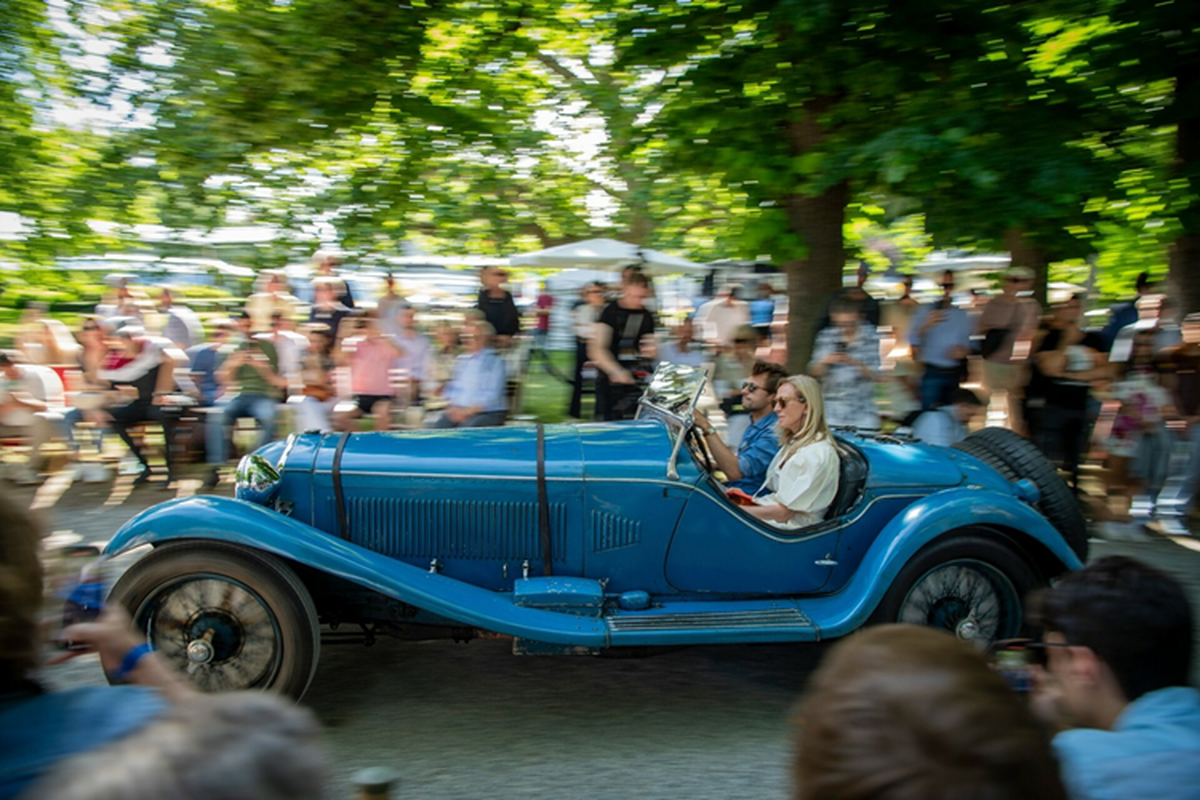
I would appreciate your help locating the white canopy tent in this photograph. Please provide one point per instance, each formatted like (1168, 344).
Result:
(608, 254)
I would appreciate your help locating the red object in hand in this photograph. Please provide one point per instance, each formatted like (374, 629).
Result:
(740, 498)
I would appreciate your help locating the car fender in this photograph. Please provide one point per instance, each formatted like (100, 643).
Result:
(913, 528)
(254, 527)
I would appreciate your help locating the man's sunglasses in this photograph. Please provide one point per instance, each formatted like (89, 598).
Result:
(751, 386)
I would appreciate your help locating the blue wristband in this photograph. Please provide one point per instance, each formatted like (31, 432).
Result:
(130, 662)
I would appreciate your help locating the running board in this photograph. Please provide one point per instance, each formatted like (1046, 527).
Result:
(712, 623)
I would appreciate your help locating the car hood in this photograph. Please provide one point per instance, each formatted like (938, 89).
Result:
(601, 450)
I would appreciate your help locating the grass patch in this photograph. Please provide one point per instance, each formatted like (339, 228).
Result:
(545, 396)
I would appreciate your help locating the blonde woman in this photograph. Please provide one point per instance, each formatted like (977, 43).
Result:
(803, 477)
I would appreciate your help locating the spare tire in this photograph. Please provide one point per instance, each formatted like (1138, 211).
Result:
(1015, 457)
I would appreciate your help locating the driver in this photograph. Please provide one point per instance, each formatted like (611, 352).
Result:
(802, 479)
(747, 469)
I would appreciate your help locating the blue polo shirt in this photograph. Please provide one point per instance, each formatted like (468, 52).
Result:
(758, 446)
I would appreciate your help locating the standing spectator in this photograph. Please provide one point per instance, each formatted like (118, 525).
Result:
(252, 388)
(720, 318)
(846, 361)
(324, 264)
(541, 326)
(1125, 313)
(1153, 316)
(1008, 323)
(417, 350)
(318, 396)
(1140, 447)
(498, 306)
(442, 357)
(327, 308)
(1181, 368)
(390, 308)
(1117, 639)
(868, 305)
(949, 424)
(623, 339)
(747, 468)
(1066, 363)
(181, 325)
(370, 354)
(584, 316)
(731, 369)
(138, 368)
(476, 392)
(682, 348)
(940, 338)
(899, 712)
(272, 298)
(762, 311)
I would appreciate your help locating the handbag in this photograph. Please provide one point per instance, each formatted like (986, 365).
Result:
(320, 393)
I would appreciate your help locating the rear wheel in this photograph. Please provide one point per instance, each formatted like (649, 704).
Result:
(225, 617)
(969, 585)
(1015, 457)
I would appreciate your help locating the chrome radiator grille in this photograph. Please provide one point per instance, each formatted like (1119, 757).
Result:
(403, 527)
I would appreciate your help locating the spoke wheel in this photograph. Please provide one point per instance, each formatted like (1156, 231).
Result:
(225, 617)
(969, 585)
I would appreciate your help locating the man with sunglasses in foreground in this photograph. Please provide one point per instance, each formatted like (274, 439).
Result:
(747, 468)
(1117, 646)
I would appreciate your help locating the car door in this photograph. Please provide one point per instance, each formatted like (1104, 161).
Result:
(718, 548)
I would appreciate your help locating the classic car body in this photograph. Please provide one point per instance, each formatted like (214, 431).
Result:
(571, 539)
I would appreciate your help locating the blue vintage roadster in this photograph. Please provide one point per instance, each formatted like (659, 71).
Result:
(579, 539)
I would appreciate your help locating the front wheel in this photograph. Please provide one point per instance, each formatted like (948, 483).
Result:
(225, 617)
(968, 585)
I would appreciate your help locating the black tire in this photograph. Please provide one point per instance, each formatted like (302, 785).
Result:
(1015, 457)
(227, 618)
(969, 584)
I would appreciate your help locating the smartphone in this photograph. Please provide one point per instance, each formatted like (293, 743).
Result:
(1016, 667)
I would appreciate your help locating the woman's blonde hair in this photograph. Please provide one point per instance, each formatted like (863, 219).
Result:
(814, 428)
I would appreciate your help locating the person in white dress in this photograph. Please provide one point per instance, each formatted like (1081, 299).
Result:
(803, 477)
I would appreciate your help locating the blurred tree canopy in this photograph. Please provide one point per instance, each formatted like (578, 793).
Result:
(1064, 132)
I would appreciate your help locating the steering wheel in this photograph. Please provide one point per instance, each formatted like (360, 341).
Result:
(696, 442)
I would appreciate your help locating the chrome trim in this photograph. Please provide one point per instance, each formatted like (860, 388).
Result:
(281, 464)
(460, 477)
(257, 480)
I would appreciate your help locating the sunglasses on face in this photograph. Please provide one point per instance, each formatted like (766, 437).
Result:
(784, 402)
(751, 386)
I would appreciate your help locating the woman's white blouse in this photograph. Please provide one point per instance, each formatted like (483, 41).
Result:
(806, 483)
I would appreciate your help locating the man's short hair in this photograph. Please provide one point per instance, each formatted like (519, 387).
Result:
(964, 396)
(1132, 616)
(7, 359)
(775, 373)
(637, 278)
(1143, 281)
(845, 305)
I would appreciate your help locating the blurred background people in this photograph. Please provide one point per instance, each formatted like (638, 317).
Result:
(1181, 368)
(498, 306)
(442, 357)
(179, 323)
(900, 712)
(390, 308)
(681, 347)
(719, 319)
(369, 353)
(1117, 644)
(1008, 323)
(318, 396)
(621, 344)
(1125, 314)
(137, 367)
(272, 298)
(731, 369)
(327, 308)
(325, 262)
(414, 364)
(584, 318)
(762, 310)
(846, 361)
(940, 336)
(25, 397)
(952, 422)
(868, 306)
(476, 393)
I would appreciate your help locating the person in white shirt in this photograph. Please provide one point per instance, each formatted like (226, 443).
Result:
(719, 319)
(682, 347)
(585, 315)
(802, 479)
(415, 361)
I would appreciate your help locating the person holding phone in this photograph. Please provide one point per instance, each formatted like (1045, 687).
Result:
(846, 361)
(941, 339)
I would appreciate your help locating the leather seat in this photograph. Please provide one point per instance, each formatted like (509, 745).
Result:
(852, 474)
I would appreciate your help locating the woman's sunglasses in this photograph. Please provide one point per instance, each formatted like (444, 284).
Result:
(783, 402)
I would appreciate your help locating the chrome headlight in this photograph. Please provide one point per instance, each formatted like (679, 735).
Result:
(257, 480)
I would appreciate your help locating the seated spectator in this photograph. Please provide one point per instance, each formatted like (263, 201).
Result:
(442, 357)
(180, 323)
(26, 394)
(682, 347)
(141, 373)
(370, 355)
(900, 712)
(273, 298)
(846, 361)
(289, 346)
(1117, 639)
(415, 361)
(476, 393)
(324, 263)
(327, 309)
(235, 746)
(206, 359)
(38, 729)
(252, 388)
(802, 479)
(317, 395)
(747, 468)
(49, 342)
(951, 423)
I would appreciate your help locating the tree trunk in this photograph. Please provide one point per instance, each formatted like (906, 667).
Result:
(1025, 253)
(1185, 250)
(818, 221)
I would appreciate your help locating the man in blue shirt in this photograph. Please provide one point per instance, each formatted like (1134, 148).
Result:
(477, 391)
(948, 425)
(1118, 646)
(747, 469)
(940, 337)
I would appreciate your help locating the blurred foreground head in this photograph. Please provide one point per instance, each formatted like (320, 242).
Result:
(20, 593)
(901, 712)
(235, 746)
